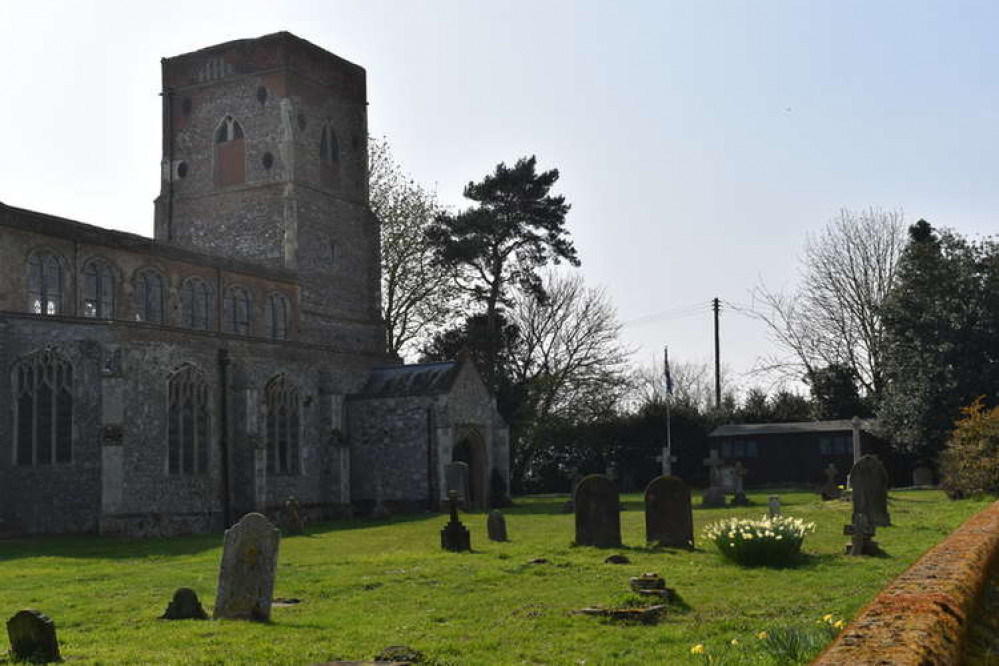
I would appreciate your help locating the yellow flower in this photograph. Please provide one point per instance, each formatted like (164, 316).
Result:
(827, 617)
(734, 641)
(838, 624)
(762, 635)
(697, 649)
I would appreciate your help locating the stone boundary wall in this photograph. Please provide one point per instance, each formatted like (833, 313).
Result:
(922, 617)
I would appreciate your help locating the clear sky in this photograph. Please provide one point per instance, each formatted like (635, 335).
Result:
(698, 142)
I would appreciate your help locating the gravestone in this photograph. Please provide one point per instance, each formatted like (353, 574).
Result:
(714, 496)
(830, 488)
(739, 475)
(33, 638)
(456, 478)
(496, 526)
(249, 565)
(869, 485)
(598, 517)
(773, 506)
(861, 534)
(669, 518)
(184, 606)
(292, 517)
(455, 536)
(922, 476)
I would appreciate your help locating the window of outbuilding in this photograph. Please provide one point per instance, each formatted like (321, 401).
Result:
(43, 409)
(196, 299)
(277, 317)
(283, 419)
(236, 311)
(230, 153)
(188, 421)
(44, 284)
(98, 290)
(149, 297)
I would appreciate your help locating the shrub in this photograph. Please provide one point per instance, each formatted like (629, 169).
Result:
(768, 541)
(970, 463)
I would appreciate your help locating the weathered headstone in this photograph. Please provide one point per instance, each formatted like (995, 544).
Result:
(184, 606)
(292, 517)
(830, 488)
(598, 517)
(739, 475)
(496, 526)
(669, 519)
(922, 476)
(714, 496)
(249, 565)
(455, 536)
(861, 534)
(869, 485)
(456, 478)
(33, 638)
(773, 506)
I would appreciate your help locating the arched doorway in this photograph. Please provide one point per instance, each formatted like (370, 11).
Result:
(471, 450)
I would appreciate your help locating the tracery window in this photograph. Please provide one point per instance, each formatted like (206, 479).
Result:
(236, 311)
(230, 153)
(196, 299)
(98, 290)
(277, 317)
(43, 409)
(44, 284)
(149, 297)
(188, 422)
(283, 417)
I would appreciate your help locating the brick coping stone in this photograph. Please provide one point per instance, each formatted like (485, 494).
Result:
(922, 617)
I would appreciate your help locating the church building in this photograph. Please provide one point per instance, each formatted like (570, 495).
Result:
(164, 386)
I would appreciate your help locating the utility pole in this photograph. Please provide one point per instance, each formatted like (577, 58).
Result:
(716, 306)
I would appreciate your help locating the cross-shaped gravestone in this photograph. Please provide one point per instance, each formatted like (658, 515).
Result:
(738, 473)
(666, 460)
(714, 463)
(455, 536)
(861, 534)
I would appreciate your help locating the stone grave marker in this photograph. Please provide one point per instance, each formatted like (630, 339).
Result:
(773, 506)
(184, 606)
(714, 496)
(33, 638)
(455, 536)
(249, 565)
(861, 534)
(456, 478)
(739, 475)
(830, 488)
(922, 476)
(598, 512)
(496, 526)
(669, 518)
(292, 516)
(869, 484)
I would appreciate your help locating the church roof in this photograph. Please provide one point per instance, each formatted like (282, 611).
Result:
(801, 427)
(407, 380)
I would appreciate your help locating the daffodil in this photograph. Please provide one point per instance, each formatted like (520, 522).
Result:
(697, 649)
(762, 635)
(838, 624)
(734, 641)
(827, 617)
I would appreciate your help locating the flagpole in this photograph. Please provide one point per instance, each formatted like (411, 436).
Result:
(668, 458)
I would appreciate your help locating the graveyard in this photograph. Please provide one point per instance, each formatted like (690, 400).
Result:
(346, 590)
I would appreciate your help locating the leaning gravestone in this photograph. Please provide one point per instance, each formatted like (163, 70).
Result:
(496, 526)
(456, 478)
(184, 606)
(598, 517)
(869, 484)
(246, 575)
(33, 638)
(669, 519)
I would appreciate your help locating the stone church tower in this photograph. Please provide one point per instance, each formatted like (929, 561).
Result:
(265, 159)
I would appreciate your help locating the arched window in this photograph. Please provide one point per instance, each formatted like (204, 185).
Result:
(230, 153)
(188, 421)
(44, 284)
(236, 311)
(196, 299)
(277, 317)
(98, 290)
(282, 426)
(43, 412)
(329, 156)
(149, 297)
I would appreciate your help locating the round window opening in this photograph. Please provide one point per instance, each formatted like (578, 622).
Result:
(267, 160)
(182, 170)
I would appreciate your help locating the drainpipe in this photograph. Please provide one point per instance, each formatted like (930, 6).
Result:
(224, 434)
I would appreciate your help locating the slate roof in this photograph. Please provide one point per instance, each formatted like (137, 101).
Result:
(802, 427)
(408, 380)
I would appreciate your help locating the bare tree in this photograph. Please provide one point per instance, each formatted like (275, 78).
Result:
(834, 316)
(693, 386)
(418, 295)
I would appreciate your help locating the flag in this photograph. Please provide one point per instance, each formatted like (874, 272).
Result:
(668, 377)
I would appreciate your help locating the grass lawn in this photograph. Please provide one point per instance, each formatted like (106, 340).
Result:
(365, 585)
